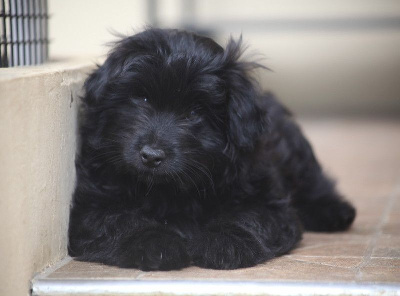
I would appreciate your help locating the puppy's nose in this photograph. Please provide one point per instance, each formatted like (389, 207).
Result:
(152, 157)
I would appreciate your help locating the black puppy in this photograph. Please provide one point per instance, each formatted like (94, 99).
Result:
(183, 161)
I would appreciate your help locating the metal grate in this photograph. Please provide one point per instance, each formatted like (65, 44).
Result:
(23, 32)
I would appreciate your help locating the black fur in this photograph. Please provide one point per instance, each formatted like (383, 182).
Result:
(238, 181)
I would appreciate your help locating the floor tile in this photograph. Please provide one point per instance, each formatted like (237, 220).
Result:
(334, 247)
(387, 246)
(281, 269)
(380, 274)
(75, 270)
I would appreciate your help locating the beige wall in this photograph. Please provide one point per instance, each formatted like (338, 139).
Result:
(317, 70)
(38, 135)
(342, 73)
(83, 27)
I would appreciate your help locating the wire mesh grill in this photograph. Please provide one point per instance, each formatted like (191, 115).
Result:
(23, 32)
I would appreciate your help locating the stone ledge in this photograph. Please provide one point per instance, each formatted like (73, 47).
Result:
(38, 122)
(197, 288)
(58, 65)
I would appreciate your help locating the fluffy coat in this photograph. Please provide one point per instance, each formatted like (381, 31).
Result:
(184, 161)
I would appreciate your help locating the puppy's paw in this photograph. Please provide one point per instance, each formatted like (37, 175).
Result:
(220, 251)
(342, 216)
(155, 250)
(332, 215)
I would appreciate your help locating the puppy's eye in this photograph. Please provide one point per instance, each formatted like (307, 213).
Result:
(138, 99)
(192, 115)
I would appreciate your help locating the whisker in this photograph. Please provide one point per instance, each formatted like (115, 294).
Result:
(150, 186)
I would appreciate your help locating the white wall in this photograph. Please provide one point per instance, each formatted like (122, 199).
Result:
(83, 27)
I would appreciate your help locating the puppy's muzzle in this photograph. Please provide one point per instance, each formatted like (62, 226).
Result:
(152, 157)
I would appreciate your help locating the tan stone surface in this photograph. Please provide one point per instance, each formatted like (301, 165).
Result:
(363, 156)
(38, 134)
(321, 244)
(392, 224)
(280, 269)
(79, 270)
(380, 274)
(387, 246)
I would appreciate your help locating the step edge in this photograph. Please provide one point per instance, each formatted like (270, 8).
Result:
(45, 287)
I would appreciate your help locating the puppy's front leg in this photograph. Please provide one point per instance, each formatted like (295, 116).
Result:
(154, 249)
(125, 239)
(246, 237)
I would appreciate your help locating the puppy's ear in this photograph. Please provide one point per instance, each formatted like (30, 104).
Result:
(123, 52)
(246, 118)
(97, 82)
(94, 85)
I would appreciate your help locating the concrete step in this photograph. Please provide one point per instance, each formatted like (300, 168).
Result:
(77, 278)
(363, 155)
(38, 122)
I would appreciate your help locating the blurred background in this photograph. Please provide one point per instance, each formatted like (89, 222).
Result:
(328, 58)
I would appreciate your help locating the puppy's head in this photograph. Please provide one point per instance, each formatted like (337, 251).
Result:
(171, 106)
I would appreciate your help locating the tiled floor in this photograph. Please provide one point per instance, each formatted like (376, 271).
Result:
(364, 157)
